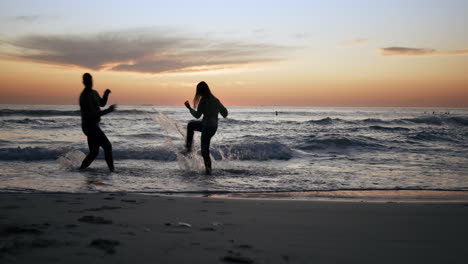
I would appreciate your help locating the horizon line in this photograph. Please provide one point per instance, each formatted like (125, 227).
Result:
(298, 106)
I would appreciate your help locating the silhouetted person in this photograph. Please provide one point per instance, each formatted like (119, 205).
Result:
(209, 106)
(90, 103)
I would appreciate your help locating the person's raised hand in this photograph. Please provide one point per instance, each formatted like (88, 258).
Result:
(112, 108)
(107, 91)
(187, 104)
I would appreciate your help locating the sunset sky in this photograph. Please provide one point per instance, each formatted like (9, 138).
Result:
(251, 53)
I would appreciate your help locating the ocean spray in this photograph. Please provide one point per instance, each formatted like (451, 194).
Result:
(191, 162)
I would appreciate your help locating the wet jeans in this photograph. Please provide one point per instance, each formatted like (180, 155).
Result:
(96, 139)
(207, 132)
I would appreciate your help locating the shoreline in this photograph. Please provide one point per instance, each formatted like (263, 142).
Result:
(377, 196)
(384, 196)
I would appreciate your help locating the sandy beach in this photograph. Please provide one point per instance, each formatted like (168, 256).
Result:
(124, 228)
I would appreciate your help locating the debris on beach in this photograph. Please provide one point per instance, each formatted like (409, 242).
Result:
(216, 224)
(183, 224)
(179, 224)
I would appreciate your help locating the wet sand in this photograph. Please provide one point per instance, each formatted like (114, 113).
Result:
(133, 228)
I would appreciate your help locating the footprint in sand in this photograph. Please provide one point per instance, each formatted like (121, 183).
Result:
(94, 220)
(208, 229)
(131, 201)
(216, 202)
(223, 213)
(17, 229)
(244, 247)
(103, 208)
(236, 259)
(105, 244)
(33, 229)
(10, 207)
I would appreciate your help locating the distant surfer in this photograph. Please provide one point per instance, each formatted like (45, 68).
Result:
(90, 103)
(209, 106)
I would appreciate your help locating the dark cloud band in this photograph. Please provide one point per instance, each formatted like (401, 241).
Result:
(148, 51)
(405, 51)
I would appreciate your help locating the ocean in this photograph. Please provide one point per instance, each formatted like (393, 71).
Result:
(300, 149)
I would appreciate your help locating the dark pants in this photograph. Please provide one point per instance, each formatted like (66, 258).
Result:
(207, 132)
(96, 139)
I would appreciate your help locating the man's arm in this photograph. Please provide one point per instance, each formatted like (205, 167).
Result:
(103, 100)
(108, 110)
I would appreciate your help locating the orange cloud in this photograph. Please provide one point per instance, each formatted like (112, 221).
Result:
(405, 51)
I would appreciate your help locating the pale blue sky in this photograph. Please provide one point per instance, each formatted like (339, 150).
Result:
(433, 23)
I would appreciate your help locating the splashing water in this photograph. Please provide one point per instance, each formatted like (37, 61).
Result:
(71, 160)
(189, 163)
(169, 124)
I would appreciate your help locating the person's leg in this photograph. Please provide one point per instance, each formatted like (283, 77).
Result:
(107, 146)
(207, 133)
(93, 145)
(192, 126)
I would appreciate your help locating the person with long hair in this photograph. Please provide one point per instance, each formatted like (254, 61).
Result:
(209, 106)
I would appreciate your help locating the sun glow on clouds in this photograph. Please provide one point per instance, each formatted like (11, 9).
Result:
(278, 53)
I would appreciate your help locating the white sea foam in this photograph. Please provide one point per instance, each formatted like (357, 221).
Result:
(71, 160)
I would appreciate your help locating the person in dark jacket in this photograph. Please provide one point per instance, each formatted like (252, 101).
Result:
(90, 108)
(209, 106)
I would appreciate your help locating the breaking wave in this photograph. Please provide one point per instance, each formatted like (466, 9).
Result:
(255, 151)
(431, 120)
